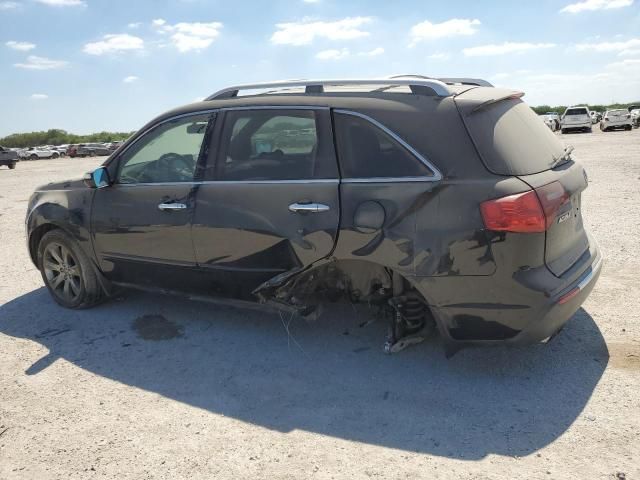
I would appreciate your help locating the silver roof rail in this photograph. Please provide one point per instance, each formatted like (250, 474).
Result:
(426, 86)
(478, 82)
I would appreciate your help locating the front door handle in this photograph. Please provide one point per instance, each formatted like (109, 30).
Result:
(308, 208)
(169, 207)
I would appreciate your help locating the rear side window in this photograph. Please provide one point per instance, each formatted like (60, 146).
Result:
(577, 111)
(275, 145)
(367, 151)
(511, 139)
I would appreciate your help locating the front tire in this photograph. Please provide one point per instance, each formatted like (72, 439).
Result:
(12, 166)
(33, 157)
(563, 131)
(55, 155)
(67, 272)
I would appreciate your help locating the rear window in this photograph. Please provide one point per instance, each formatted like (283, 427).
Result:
(511, 139)
(617, 113)
(577, 111)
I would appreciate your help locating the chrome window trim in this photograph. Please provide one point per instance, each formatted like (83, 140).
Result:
(436, 177)
(388, 180)
(232, 182)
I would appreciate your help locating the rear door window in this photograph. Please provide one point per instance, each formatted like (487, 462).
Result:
(367, 151)
(279, 144)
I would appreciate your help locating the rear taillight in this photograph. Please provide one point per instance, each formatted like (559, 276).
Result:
(529, 212)
(521, 213)
(552, 196)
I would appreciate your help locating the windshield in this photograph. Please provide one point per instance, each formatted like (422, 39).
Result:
(577, 111)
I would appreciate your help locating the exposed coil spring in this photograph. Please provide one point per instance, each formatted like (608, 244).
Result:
(413, 312)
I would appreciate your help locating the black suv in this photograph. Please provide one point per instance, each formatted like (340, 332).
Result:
(443, 202)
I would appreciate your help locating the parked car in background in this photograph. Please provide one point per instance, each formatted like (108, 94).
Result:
(38, 152)
(305, 198)
(550, 122)
(635, 117)
(595, 117)
(8, 158)
(114, 146)
(92, 150)
(555, 117)
(619, 119)
(576, 119)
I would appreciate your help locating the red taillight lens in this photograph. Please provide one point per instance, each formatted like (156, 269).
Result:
(529, 212)
(552, 196)
(520, 213)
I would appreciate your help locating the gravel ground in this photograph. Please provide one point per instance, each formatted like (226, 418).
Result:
(104, 394)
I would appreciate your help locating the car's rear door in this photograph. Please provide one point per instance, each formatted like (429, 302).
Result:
(269, 202)
(141, 224)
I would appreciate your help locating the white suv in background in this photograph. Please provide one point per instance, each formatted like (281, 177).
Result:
(613, 119)
(576, 118)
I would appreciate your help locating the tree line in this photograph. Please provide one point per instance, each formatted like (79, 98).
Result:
(56, 136)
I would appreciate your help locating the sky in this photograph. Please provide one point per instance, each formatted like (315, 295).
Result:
(94, 65)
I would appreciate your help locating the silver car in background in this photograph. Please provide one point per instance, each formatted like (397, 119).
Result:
(576, 119)
(616, 119)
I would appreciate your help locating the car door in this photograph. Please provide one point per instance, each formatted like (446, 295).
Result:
(141, 224)
(269, 202)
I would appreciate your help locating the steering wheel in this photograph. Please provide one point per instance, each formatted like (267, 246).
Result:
(175, 166)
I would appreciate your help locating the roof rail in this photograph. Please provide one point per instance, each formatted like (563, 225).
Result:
(478, 82)
(421, 86)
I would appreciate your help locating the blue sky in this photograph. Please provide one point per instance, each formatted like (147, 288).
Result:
(90, 65)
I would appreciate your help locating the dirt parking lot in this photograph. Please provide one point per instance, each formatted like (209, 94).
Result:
(216, 392)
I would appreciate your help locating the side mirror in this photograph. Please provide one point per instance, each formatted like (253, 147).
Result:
(99, 178)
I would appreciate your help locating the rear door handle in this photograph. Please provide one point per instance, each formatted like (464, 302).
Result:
(169, 207)
(308, 208)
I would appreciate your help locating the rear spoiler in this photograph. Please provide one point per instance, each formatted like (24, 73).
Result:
(483, 105)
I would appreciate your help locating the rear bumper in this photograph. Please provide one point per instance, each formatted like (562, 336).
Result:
(562, 306)
(577, 126)
(515, 309)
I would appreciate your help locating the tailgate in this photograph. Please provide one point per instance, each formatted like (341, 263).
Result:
(566, 238)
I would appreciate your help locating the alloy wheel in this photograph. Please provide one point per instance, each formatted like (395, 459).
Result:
(63, 272)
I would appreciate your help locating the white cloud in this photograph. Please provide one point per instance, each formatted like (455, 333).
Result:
(333, 54)
(451, 28)
(189, 36)
(9, 5)
(41, 63)
(114, 43)
(439, 56)
(609, 46)
(134, 24)
(130, 79)
(311, 1)
(20, 46)
(631, 52)
(63, 3)
(305, 32)
(504, 48)
(372, 53)
(39, 96)
(590, 5)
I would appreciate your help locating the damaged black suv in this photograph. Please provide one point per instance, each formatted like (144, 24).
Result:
(445, 202)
